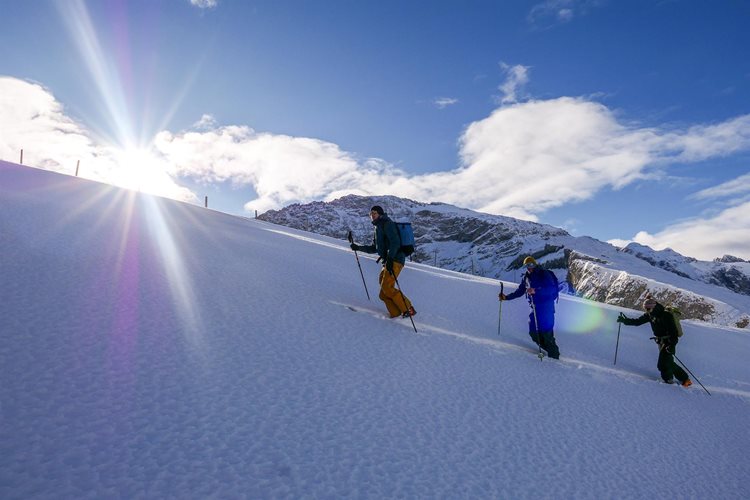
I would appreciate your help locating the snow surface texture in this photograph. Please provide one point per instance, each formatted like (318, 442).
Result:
(153, 349)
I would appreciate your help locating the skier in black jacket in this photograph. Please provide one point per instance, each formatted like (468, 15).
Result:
(665, 335)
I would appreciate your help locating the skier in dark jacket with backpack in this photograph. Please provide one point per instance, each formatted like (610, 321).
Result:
(540, 287)
(387, 245)
(665, 334)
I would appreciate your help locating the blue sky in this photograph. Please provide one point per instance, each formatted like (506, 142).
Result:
(619, 120)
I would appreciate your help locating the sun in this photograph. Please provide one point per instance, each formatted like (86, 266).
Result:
(142, 170)
(138, 169)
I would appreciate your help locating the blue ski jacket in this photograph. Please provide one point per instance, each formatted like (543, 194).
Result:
(545, 289)
(542, 317)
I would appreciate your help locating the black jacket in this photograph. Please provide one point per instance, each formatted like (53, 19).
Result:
(662, 323)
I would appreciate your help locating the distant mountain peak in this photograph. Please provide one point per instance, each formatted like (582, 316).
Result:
(729, 259)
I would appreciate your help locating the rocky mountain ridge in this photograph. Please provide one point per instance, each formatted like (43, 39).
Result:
(494, 246)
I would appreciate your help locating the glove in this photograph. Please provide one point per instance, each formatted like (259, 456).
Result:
(621, 318)
(354, 246)
(502, 296)
(389, 265)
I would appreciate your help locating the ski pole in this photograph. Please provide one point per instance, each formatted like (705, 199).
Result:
(500, 310)
(351, 240)
(403, 297)
(536, 322)
(619, 325)
(691, 373)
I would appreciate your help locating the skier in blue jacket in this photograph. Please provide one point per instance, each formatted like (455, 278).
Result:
(540, 287)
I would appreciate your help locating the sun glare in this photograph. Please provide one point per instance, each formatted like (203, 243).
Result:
(138, 169)
(127, 162)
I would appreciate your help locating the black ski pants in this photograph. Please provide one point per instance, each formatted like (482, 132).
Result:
(547, 343)
(668, 368)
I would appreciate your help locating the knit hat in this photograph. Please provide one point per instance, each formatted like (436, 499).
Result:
(649, 303)
(378, 209)
(529, 260)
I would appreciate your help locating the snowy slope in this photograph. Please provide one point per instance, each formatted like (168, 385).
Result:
(152, 349)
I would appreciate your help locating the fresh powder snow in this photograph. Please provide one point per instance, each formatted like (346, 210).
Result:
(155, 349)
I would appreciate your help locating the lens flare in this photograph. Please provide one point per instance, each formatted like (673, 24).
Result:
(177, 274)
(581, 319)
(130, 161)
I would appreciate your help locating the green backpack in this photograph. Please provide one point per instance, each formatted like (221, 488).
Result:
(675, 313)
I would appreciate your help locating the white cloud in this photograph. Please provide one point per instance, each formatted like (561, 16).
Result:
(706, 141)
(619, 242)
(281, 169)
(204, 4)
(529, 157)
(444, 102)
(728, 232)
(564, 15)
(552, 12)
(206, 122)
(31, 119)
(516, 77)
(736, 187)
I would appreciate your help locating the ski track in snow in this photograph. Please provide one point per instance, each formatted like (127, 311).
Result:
(381, 315)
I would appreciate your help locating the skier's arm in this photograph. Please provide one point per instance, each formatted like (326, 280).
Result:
(521, 290)
(367, 248)
(641, 320)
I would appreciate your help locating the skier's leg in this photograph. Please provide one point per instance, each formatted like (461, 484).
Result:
(393, 310)
(549, 344)
(677, 370)
(532, 329)
(393, 299)
(665, 365)
(545, 316)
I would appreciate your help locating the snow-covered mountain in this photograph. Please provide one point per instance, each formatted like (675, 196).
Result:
(494, 246)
